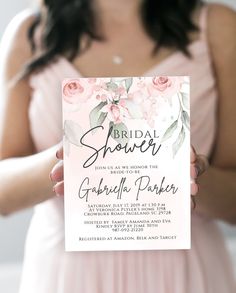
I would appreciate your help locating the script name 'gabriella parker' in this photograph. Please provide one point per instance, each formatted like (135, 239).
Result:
(143, 146)
(141, 185)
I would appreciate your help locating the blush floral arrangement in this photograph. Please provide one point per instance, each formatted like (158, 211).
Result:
(121, 99)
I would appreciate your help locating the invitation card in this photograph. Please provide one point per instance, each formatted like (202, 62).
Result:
(127, 163)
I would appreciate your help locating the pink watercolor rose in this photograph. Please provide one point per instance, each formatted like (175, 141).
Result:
(76, 91)
(161, 83)
(165, 86)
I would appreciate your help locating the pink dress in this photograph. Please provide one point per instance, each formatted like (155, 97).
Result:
(48, 268)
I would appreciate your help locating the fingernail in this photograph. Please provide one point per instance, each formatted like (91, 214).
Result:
(57, 154)
(195, 189)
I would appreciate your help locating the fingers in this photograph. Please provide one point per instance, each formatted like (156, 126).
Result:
(59, 153)
(193, 202)
(194, 175)
(59, 188)
(193, 171)
(194, 188)
(201, 164)
(198, 165)
(57, 173)
(193, 155)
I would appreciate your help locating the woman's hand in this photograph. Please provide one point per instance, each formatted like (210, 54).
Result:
(198, 165)
(57, 174)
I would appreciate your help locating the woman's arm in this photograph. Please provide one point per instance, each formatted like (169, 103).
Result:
(24, 179)
(217, 196)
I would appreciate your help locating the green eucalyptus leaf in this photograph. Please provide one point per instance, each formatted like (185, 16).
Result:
(112, 86)
(170, 131)
(186, 119)
(97, 117)
(128, 83)
(185, 100)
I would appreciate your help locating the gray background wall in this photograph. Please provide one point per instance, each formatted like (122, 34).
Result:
(13, 229)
